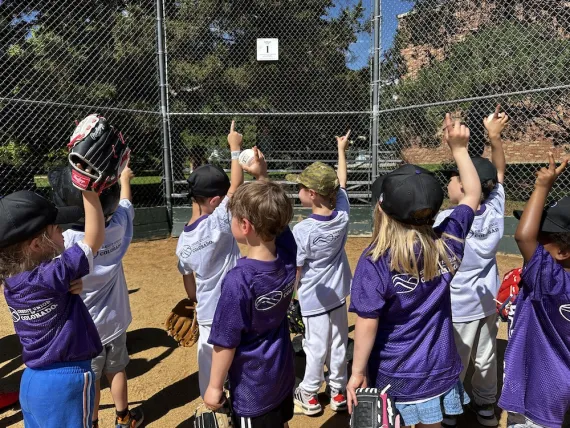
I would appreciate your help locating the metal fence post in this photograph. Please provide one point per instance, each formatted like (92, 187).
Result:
(164, 110)
(375, 87)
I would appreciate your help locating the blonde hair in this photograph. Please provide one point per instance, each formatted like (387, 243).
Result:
(400, 240)
(265, 205)
(17, 258)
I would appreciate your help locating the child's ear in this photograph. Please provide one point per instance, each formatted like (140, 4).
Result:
(246, 227)
(215, 200)
(36, 245)
(562, 254)
(312, 193)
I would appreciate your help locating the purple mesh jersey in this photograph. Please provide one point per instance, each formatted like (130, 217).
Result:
(251, 316)
(53, 325)
(414, 350)
(537, 360)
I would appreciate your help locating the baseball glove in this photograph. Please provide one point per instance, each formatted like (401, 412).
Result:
(375, 410)
(182, 324)
(296, 324)
(97, 153)
(206, 418)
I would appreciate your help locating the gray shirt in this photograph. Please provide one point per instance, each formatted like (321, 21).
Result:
(476, 283)
(325, 277)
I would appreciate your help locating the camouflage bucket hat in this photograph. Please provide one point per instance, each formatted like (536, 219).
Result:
(319, 177)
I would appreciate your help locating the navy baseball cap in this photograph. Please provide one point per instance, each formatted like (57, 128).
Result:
(409, 194)
(485, 169)
(555, 217)
(24, 214)
(208, 181)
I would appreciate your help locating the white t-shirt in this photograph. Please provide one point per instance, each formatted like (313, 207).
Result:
(105, 290)
(208, 249)
(325, 277)
(476, 283)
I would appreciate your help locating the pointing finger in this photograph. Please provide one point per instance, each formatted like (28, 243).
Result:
(347, 134)
(562, 167)
(233, 127)
(552, 163)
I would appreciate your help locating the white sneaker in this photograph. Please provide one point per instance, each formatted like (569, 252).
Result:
(338, 399)
(308, 402)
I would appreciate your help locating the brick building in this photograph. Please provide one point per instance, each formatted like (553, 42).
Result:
(523, 145)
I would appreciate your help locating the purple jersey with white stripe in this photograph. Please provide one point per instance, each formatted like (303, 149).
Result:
(537, 360)
(414, 350)
(251, 316)
(53, 325)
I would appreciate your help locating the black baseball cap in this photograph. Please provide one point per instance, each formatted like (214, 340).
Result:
(555, 217)
(65, 194)
(24, 214)
(485, 169)
(409, 194)
(208, 181)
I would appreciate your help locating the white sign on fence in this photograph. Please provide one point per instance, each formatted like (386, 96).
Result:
(267, 49)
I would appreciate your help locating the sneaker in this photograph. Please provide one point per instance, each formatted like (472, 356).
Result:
(338, 399)
(485, 414)
(308, 402)
(133, 420)
(449, 421)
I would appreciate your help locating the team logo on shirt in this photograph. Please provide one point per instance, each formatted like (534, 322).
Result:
(326, 239)
(483, 233)
(272, 299)
(565, 312)
(15, 314)
(188, 250)
(33, 313)
(405, 283)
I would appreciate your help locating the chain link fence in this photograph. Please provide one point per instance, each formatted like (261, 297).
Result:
(466, 56)
(61, 60)
(291, 108)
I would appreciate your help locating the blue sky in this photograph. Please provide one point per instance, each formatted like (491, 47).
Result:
(390, 10)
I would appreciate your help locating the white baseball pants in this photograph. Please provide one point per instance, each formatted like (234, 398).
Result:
(205, 351)
(477, 340)
(326, 340)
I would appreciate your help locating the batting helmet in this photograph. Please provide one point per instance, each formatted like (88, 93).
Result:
(65, 194)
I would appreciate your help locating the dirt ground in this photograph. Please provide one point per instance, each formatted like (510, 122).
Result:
(163, 377)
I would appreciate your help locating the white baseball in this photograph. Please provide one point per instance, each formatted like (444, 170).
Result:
(492, 115)
(246, 157)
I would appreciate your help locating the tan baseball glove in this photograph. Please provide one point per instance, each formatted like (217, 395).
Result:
(182, 324)
(206, 418)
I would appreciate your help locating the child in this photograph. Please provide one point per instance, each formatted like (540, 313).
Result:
(207, 248)
(400, 291)
(537, 360)
(250, 332)
(476, 283)
(325, 278)
(105, 290)
(42, 285)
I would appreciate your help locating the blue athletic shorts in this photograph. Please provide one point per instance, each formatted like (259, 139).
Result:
(59, 395)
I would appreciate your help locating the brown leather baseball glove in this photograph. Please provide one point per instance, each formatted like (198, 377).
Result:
(182, 324)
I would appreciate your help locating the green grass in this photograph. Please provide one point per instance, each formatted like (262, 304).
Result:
(42, 181)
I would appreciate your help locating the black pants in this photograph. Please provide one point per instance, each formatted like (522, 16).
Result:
(275, 418)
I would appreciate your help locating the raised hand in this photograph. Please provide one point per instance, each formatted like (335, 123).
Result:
(455, 134)
(496, 122)
(258, 166)
(235, 139)
(343, 142)
(546, 177)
